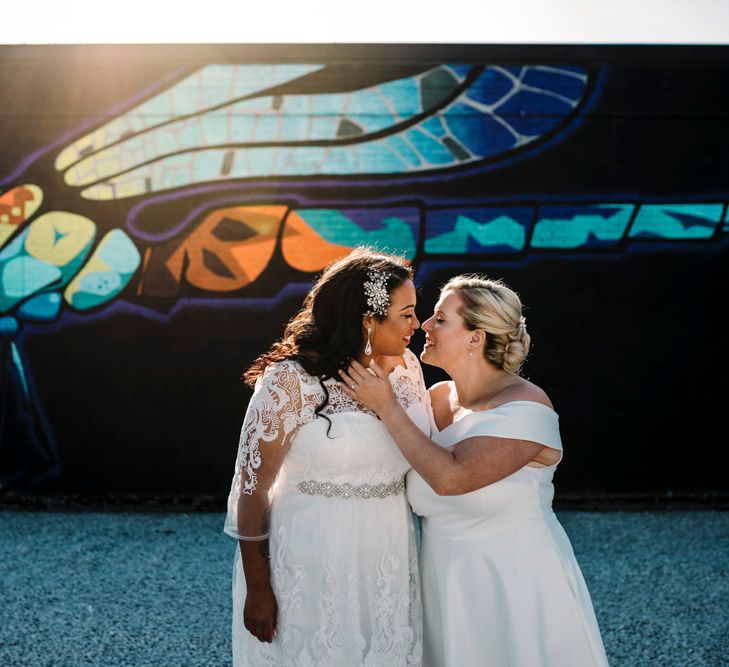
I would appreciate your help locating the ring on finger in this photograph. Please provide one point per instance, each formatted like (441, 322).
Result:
(354, 386)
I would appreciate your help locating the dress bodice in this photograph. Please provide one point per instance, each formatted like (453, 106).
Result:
(342, 443)
(357, 447)
(526, 493)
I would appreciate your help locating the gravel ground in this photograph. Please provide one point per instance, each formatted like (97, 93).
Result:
(137, 590)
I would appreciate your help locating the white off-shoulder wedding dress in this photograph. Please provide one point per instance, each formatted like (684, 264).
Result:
(500, 583)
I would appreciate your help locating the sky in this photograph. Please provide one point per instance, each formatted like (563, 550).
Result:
(370, 21)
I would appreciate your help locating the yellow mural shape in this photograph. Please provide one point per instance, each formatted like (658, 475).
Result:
(306, 250)
(229, 249)
(17, 206)
(59, 237)
(84, 145)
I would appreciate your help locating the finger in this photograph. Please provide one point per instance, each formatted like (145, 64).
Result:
(356, 374)
(355, 365)
(261, 633)
(346, 378)
(347, 390)
(251, 627)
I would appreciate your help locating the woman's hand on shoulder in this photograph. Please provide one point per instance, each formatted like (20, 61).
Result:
(369, 386)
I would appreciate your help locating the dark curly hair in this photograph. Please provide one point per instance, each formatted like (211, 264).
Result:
(326, 334)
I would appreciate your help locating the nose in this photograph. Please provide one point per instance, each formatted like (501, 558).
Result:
(426, 325)
(415, 322)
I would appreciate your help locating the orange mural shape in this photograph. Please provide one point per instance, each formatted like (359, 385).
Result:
(229, 249)
(17, 206)
(304, 249)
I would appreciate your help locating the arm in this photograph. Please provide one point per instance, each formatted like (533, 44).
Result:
(466, 466)
(274, 413)
(260, 612)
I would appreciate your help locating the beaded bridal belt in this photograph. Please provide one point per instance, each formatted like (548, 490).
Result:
(346, 490)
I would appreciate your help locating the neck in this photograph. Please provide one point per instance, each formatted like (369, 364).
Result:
(476, 379)
(365, 359)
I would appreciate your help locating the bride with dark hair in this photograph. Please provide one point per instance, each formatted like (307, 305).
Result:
(326, 572)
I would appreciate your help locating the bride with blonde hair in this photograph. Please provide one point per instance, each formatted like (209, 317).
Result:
(500, 582)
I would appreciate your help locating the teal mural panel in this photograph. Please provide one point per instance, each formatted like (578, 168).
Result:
(592, 226)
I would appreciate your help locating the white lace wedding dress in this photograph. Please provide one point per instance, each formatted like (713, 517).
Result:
(342, 552)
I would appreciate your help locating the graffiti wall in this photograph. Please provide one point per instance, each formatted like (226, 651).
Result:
(163, 210)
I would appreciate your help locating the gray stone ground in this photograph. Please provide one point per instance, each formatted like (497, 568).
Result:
(132, 590)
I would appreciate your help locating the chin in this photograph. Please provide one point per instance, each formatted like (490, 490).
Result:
(427, 357)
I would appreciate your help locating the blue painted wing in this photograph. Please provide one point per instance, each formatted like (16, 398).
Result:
(229, 122)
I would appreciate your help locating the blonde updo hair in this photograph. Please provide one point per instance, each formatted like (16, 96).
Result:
(496, 309)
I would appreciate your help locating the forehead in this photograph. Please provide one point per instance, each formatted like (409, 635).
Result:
(449, 302)
(404, 293)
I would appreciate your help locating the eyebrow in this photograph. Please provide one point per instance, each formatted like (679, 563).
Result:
(412, 305)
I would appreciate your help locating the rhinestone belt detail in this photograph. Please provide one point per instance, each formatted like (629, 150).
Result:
(346, 490)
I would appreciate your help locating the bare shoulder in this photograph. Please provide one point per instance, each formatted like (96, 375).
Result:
(440, 394)
(440, 391)
(523, 390)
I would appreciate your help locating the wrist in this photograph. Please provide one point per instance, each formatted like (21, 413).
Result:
(258, 587)
(389, 409)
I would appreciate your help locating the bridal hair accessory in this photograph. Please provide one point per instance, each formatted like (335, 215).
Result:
(375, 289)
(522, 325)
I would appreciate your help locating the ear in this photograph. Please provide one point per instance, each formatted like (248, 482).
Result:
(368, 321)
(477, 339)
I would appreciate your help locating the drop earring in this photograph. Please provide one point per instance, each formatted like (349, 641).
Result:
(368, 347)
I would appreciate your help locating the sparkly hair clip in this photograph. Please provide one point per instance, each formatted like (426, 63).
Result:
(522, 325)
(375, 289)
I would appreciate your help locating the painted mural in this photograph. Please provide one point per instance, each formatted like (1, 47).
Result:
(197, 188)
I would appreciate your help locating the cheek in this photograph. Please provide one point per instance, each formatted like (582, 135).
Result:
(391, 332)
(445, 336)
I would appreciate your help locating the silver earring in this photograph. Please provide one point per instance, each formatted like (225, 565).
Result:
(368, 347)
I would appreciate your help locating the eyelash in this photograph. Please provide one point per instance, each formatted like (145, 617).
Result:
(438, 319)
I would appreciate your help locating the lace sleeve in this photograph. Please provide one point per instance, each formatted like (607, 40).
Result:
(284, 398)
